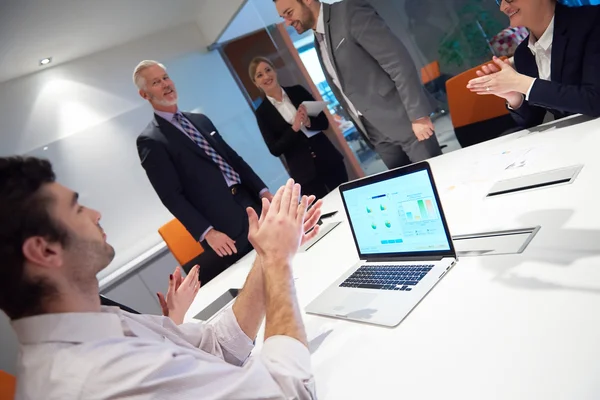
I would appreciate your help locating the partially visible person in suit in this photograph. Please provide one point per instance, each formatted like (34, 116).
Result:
(285, 125)
(202, 181)
(371, 74)
(555, 69)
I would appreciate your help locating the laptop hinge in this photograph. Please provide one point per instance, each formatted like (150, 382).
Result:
(403, 259)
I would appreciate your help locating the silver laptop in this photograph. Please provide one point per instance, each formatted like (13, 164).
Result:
(403, 242)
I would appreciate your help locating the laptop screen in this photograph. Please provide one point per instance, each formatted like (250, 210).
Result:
(397, 215)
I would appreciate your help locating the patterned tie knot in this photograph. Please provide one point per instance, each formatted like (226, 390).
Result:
(320, 37)
(178, 116)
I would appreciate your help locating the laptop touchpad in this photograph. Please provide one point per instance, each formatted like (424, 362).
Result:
(354, 304)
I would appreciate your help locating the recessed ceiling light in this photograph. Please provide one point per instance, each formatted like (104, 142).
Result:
(45, 61)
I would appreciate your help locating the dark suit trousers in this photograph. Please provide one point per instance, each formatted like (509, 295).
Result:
(403, 152)
(210, 263)
(329, 175)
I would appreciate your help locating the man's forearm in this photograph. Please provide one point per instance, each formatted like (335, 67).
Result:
(249, 308)
(283, 312)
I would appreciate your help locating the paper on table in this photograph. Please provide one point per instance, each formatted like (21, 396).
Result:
(314, 108)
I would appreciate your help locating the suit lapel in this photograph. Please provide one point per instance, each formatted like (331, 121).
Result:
(169, 130)
(206, 132)
(295, 101)
(528, 66)
(327, 20)
(320, 56)
(560, 41)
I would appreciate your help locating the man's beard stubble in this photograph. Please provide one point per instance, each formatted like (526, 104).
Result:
(87, 258)
(163, 102)
(307, 20)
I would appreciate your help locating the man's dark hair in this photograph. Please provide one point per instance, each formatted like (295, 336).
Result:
(24, 214)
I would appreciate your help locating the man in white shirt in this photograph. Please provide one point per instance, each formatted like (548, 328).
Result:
(72, 348)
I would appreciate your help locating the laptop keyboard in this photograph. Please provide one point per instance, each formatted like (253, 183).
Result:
(387, 277)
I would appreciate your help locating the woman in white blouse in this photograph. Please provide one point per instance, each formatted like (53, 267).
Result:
(288, 131)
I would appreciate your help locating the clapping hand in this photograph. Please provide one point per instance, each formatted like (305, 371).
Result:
(301, 119)
(282, 225)
(501, 79)
(180, 295)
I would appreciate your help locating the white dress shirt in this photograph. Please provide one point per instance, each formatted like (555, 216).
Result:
(116, 355)
(288, 111)
(542, 51)
(169, 117)
(329, 63)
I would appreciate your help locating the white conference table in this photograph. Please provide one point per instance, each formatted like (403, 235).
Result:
(523, 326)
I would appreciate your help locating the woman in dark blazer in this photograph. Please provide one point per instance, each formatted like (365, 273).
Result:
(556, 68)
(288, 131)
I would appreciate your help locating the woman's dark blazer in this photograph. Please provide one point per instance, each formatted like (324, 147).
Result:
(574, 87)
(299, 151)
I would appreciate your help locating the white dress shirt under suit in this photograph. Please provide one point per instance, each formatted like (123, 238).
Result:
(320, 30)
(116, 355)
(542, 51)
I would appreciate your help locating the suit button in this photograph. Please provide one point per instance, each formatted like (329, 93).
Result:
(313, 155)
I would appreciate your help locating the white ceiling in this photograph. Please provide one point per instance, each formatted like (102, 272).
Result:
(68, 29)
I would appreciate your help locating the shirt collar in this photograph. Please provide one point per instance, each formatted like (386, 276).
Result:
(545, 41)
(321, 22)
(274, 101)
(69, 327)
(166, 115)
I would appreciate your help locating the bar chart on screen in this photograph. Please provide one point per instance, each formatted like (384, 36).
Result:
(418, 210)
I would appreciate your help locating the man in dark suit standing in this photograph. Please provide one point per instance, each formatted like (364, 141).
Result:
(202, 181)
(372, 75)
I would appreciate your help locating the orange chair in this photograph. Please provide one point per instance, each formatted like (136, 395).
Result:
(430, 72)
(8, 386)
(476, 118)
(179, 241)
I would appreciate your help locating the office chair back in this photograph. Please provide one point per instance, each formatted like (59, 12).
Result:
(476, 118)
(430, 72)
(8, 386)
(179, 241)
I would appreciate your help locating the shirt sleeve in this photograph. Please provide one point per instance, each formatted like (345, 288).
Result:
(529, 90)
(288, 362)
(204, 234)
(149, 369)
(224, 338)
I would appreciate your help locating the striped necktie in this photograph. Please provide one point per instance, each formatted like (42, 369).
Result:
(320, 37)
(232, 176)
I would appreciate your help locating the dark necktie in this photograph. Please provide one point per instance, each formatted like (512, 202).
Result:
(192, 132)
(320, 37)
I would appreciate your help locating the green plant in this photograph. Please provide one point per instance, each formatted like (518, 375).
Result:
(467, 45)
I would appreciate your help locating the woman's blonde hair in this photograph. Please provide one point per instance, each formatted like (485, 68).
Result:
(255, 63)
